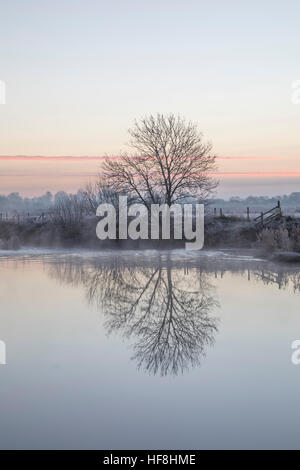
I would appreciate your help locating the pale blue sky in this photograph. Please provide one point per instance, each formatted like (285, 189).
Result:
(78, 72)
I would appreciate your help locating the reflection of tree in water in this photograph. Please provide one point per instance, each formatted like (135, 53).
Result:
(166, 313)
(169, 320)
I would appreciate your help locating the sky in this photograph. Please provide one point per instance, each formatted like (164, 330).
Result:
(77, 73)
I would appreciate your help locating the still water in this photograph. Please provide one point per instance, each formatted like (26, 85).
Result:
(148, 350)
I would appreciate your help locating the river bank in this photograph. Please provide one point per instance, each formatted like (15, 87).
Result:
(280, 241)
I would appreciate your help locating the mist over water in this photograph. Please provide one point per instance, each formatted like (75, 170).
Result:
(125, 349)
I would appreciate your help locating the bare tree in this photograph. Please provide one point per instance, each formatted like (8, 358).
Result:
(68, 211)
(98, 192)
(170, 162)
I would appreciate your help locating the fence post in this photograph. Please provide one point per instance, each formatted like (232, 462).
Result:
(221, 212)
(279, 207)
(248, 214)
(215, 212)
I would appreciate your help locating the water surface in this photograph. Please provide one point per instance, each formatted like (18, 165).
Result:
(148, 350)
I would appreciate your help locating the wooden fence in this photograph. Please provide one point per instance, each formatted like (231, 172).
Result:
(16, 217)
(269, 216)
(263, 219)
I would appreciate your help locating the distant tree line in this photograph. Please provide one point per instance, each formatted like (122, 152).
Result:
(14, 203)
(95, 193)
(292, 200)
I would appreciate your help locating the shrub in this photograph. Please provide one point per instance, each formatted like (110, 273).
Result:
(68, 213)
(274, 239)
(295, 238)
